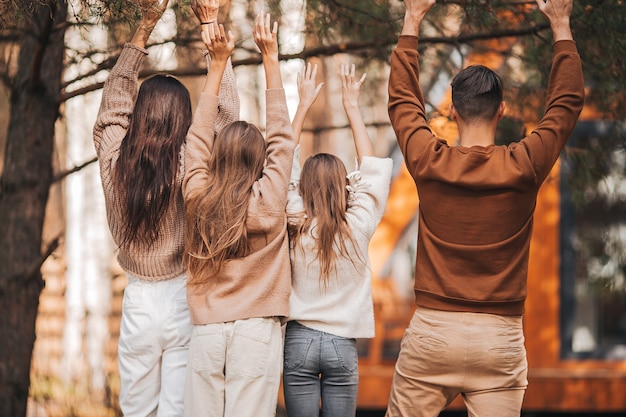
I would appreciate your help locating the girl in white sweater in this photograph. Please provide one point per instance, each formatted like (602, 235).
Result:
(332, 217)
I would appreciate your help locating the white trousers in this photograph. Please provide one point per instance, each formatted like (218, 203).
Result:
(153, 347)
(234, 369)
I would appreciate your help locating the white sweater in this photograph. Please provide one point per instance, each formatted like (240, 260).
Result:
(344, 306)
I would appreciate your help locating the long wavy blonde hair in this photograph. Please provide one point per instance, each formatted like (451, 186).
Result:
(325, 198)
(216, 217)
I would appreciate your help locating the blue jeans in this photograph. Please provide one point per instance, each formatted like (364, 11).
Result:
(319, 366)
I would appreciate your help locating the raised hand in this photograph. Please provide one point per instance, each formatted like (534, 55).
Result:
(307, 90)
(350, 87)
(265, 36)
(558, 13)
(556, 10)
(205, 10)
(418, 7)
(151, 12)
(218, 42)
(414, 12)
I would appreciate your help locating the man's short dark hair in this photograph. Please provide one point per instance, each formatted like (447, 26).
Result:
(476, 93)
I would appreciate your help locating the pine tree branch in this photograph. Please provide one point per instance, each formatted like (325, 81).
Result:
(324, 50)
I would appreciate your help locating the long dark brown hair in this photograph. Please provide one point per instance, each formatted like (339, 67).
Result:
(216, 217)
(325, 198)
(149, 160)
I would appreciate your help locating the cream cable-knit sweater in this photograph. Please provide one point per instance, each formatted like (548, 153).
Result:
(164, 259)
(343, 308)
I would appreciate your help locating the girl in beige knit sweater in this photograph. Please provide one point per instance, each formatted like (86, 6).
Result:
(235, 192)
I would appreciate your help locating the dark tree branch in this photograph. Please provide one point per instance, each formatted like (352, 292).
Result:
(357, 10)
(496, 34)
(324, 50)
(33, 271)
(59, 176)
(321, 129)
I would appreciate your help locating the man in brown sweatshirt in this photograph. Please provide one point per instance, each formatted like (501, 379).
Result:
(475, 222)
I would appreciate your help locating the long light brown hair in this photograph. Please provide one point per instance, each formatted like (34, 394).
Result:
(149, 161)
(323, 187)
(216, 217)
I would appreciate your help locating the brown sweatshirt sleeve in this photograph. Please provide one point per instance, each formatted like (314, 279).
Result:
(406, 106)
(564, 102)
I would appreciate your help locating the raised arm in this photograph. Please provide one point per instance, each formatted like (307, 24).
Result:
(565, 92)
(278, 131)
(120, 89)
(368, 186)
(201, 133)
(151, 12)
(220, 45)
(307, 92)
(407, 111)
(207, 12)
(266, 38)
(350, 89)
(414, 12)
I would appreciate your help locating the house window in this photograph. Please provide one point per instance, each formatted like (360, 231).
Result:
(593, 243)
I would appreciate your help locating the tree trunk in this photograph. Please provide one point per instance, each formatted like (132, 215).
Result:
(24, 188)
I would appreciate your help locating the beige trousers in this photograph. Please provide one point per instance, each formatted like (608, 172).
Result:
(444, 354)
(234, 369)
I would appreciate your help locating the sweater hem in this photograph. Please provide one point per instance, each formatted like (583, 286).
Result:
(439, 302)
(333, 330)
(210, 317)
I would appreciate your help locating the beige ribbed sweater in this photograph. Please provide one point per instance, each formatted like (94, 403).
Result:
(257, 285)
(164, 259)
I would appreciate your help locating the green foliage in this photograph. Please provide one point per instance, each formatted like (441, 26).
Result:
(364, 21)
(481, 16)
(597, 26)
(17, 12)
(590, 154)
(599, 31)
(509, 130)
